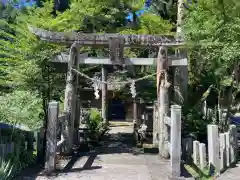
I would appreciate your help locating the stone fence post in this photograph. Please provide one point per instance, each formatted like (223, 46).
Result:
(233, 143)
(213, 148)
(222, 138)
(175, 147)
(53, 110)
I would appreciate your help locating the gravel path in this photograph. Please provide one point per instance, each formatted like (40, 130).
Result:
(115, 159)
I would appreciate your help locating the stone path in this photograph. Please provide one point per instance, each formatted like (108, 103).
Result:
(231, 174)
(115, 159)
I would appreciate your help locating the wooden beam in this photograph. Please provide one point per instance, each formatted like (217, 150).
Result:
(103, 39)
(84, 59)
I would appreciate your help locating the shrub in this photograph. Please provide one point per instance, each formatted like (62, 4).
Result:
(95, 124)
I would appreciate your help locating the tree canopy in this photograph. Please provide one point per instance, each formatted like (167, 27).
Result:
(26, 58)
(210, 29)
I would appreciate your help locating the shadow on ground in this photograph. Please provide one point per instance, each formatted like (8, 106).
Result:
(118, 143)
(112, 143)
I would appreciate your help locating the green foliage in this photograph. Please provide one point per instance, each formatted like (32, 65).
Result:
(197, 173)
(7, 15)
(19, 159)
(95, 125)
(26, 57)
(211, 29)
(21, 107)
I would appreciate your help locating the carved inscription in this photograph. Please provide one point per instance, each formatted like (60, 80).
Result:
(116, 50)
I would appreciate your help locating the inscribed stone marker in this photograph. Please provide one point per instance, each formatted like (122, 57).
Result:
(202, 155)
(222, 151)
(213, 147)
(196, 152)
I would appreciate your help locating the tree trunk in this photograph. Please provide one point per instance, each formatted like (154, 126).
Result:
(226, 123)
(70, 97)
(181, 72)
(163, 103)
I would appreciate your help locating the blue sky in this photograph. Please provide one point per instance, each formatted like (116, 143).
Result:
(21, 3)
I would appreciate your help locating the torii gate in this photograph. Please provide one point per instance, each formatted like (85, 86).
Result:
(116, 44)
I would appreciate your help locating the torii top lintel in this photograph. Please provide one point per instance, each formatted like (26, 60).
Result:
(103, 39)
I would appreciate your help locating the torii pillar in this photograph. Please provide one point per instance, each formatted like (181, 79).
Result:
(162, 100)
(70, 102)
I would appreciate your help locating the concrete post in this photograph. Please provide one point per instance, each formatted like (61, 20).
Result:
(196, 152)
(53, 110)
(227, 149)
(233, 143)
(104, 95)
(40, 149)
(213, 148)
(175, 149)
(202, 155)
(222, 151)
(189, 148)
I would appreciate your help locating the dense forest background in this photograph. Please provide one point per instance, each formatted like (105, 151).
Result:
(28, 82)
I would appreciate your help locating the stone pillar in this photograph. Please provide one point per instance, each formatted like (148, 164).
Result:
(70, 96)
(104, 95)
(51, 136)
(233, 143)
(222, 151)
(196, 153)
(189, 149)
(77, 120)
(227, 149)
(163, 103)
(65, 133)
(202, 155)
(40, 149)
(78, 99)
(175, 148)
(213, 148)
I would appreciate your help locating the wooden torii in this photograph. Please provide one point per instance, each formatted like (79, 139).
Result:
(116, 44)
